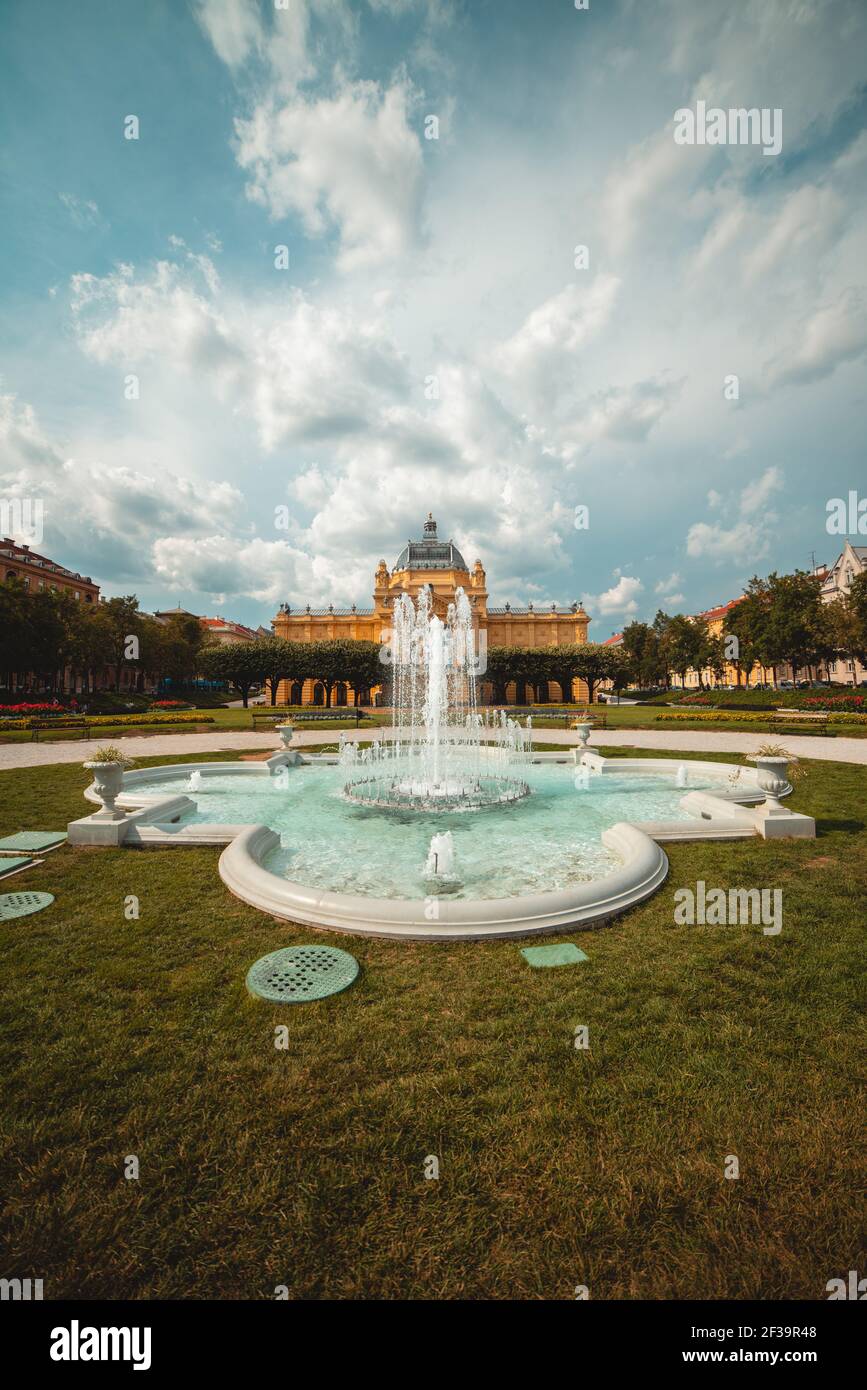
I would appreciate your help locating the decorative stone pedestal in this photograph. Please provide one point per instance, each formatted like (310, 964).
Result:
(773, 820)
(108, 784)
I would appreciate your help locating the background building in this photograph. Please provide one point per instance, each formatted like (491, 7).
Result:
(37, 572)
(836, 582)
(439, 564)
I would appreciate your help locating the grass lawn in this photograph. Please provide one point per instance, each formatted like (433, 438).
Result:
(304, 1167)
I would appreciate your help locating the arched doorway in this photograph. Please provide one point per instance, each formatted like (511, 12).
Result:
(319, 693)
(341, 693)
(295, 693)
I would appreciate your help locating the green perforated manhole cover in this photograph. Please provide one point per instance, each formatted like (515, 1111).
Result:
(299, 973)
(20, 904)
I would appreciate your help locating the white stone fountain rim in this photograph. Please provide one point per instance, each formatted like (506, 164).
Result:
(644, 866)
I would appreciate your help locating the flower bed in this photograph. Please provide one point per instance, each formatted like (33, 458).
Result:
(103, 721)
(719, 716)
(764, 699)
(41, 708)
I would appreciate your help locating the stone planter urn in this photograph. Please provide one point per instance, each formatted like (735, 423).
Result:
(285, 731)
(108, 784)
(583, 730)
(772, 779)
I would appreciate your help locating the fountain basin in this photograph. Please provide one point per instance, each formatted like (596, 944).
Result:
(643, 869)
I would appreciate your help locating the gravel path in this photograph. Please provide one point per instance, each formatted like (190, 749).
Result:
(837, 750)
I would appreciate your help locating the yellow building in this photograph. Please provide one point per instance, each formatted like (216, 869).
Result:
(715, 620)
(440, 565)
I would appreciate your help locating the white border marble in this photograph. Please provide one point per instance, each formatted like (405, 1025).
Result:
(726, 813)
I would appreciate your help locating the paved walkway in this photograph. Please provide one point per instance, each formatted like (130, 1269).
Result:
(837, 750)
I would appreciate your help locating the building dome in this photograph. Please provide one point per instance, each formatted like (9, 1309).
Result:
(430, 553)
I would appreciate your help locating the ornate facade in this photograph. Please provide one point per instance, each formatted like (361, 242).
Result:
(440, 565)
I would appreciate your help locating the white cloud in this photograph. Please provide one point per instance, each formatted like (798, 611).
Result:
(226, 566)
(106, 514)
(755, 495)
(83, 211)
(665, 586)
(351, 162)
(749, 538)
(301, 371)
(557, 330)
(233, 26)
(239, 36)
(743, 541)
(124, 320)
(622, 597)
(833, 334)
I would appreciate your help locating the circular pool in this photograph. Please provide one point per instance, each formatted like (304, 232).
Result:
(546, 841)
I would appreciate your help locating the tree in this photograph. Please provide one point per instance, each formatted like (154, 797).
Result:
(712, 655)
(747, 621)
(796, 630)
(593, 662)
(681, 646)
(846, 619)
(50, 636)
(364, 669)
(642, 650)
(239, 663)
(119, 620)
(14, 654)
(283, 660)
(499, 672)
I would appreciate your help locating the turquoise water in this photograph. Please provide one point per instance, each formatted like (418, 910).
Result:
(546, 841)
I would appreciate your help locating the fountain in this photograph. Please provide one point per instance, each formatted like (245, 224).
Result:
(437, 761)
(195, 781)
(439, 871)
(682, 776)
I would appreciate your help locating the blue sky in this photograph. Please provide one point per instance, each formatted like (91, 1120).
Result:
(287, 431)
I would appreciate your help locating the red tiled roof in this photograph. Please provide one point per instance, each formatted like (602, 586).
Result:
(719, 612)
(227, 623)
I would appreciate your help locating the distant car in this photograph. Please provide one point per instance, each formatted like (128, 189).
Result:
(786, 685)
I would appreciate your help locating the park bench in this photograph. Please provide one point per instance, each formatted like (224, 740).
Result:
(60, 722)
(338, 712)
(799, 721)
(597, 715)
